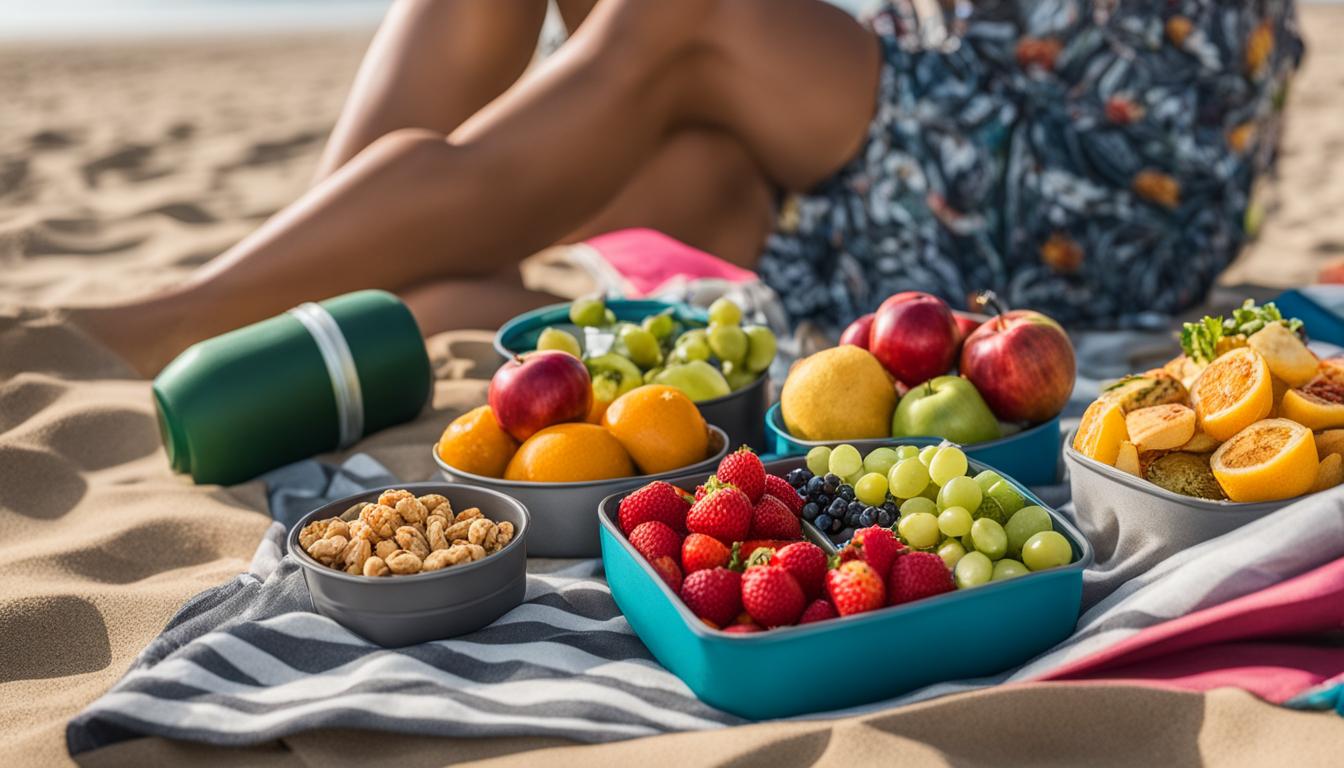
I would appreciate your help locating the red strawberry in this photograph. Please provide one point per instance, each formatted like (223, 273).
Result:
(917, 575)
(743, 469)
(667, 568)
(807, 562)
(855, 587)
(818, 610)
(701, 491)
(656, 501)
(771, 519)
(699, 552)
(772, 596)
(743, 629)
(779, 488)
(874, 545)
(725, 514)
(654, 540)
(745, 552)
(714, 594)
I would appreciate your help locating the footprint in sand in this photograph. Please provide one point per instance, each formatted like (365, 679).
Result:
(27, 626)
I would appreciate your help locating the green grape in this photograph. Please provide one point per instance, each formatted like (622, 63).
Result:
(692, 346)
(845, 460)
(1007, 496)
(907, 478)
(1025, 523)
(879, 460)
(661, 325)
(1047, 549)
(930, 492)
(761, 346)
(968, 542)
(850, 480)
(738, 377)
(919, 530)
(947, 463)
(904, 452)
(819, 460)
(918, 505)
(587, 312)
(989, 538)
(1008, 568)
(652, 374)
(972, 570)
(608, 317)
(555, 338)
(728, 343)
(959, 492)
(871, 489)
(955, 521)
(926, 454)
(725, 312)
(641, 346)
(951, 551)
(987, 478)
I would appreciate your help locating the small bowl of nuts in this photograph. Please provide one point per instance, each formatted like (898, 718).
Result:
(422, 562)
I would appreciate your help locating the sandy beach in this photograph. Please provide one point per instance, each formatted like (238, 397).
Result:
(124, 165)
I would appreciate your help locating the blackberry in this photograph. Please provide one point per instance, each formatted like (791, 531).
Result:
(810, 511)
(846, 492)
(798, 477)
(823, 522)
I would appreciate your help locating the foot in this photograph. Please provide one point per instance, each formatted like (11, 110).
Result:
(131, 332)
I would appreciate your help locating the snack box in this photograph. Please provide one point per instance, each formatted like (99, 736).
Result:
(1030, 456)
(403, 610)
(831, 664)
(562, 513)
(738, 413)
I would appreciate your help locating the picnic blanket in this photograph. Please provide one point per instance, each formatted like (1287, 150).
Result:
(249, 662)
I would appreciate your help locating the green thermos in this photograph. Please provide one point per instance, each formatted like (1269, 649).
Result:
(314, 379)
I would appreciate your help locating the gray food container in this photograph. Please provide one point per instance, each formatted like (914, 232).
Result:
(1134, 524)
(562, 513)
(404, 610)
(741, 414)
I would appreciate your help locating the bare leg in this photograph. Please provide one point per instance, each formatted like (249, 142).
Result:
(791, 80)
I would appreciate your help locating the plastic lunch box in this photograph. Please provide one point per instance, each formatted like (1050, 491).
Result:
(975, 632)
(1030, 456)
(738, 413)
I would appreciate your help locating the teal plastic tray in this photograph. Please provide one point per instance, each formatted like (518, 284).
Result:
(1030, 456)
(841, 663)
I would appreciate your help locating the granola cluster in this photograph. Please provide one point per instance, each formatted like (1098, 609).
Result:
(402, 534)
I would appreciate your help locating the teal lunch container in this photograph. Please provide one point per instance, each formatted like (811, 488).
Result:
(314, 379)
(1030, 456)
(819, 667)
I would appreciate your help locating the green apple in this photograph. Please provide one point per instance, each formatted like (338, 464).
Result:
(698, 379)
(760, 347)
(555, 338)
(948, 407)
(613, 376)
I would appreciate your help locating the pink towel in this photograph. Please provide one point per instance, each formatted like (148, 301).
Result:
(1262, 642)
(648, 260)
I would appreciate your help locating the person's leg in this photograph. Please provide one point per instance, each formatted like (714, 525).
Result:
(791, 80)
(433, 64)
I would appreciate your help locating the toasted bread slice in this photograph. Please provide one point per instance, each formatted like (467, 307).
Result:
(1200, 443)
(1160, 427)
(1145, 390)
(1329, 474)
(1185, 473)
(1330, 441)
(1287, 355)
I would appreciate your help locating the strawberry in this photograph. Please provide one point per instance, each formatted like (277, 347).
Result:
(654, 540)
(699, 552)
(668, 570)
(772, 596)
(917, 575)
(714, 594)
(771, 519)
(874, 545)
(855, 587)
(818, 610)
(807, 562)
(724, 513)
(656, 501)
(779, 488)
(743, 629)
(743, 469)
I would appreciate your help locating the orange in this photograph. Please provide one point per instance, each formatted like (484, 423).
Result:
(660, 427)
(1319, 404)
(1101, 432)
(1234, 392)
(570, 453)
(475, 443)
(1268, 460)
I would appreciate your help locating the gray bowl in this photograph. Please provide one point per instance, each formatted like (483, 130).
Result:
(404, 610)
(741, 413)
(563, 521)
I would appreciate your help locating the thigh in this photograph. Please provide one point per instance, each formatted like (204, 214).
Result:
(701, 187)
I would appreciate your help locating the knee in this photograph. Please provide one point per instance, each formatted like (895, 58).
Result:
(650, 30)
(409, 143)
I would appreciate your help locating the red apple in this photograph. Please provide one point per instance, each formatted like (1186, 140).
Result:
(858, 331)
(966, 322)
(914, 336)
(532, 392)
(1022, 362)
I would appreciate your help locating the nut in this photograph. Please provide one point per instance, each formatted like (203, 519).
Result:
(337, 527)
(403, 562)
(458, 530)
(356, 552)
(375, 566)
(483, 532)
(383, 519)
(413, 541)
(504, 534)
(433, 501)
(361, 530)
(411, 510)
(385, 547)
(434, 533)
(312, 532)
(389, 498)
(468, 514)
(328, 551)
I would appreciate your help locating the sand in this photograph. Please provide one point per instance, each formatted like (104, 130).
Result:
(124, 166)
